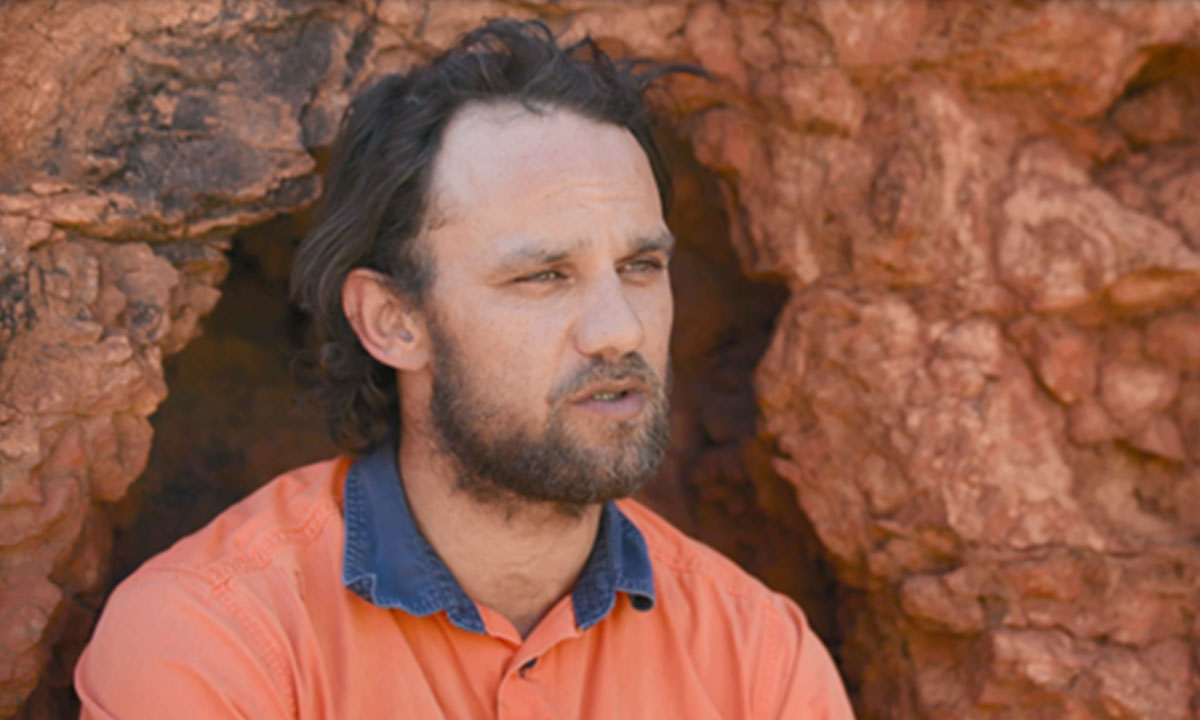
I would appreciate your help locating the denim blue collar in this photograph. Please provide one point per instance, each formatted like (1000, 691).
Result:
(390, 564)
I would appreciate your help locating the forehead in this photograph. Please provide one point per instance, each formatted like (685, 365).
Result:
(503, 168)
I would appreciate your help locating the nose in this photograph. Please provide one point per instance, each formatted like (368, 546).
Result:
(608, 325)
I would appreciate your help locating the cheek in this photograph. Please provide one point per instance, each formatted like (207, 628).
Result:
(520, 347)
(657, 317)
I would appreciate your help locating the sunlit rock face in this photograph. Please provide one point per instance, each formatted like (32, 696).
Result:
(939, 290)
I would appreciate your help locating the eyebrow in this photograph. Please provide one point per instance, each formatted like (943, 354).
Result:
(533, 255)
(663, 242)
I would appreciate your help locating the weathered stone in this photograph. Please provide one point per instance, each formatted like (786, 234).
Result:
(1164, 180)
(27, 605)
(1161, 106)
(1065, 360)
(1160, 436)
(930, 601)
(1134, 392)
(1189, 416)
(869, 32)
(1174, 340)
(1154, 116)
(1090, 423)
(127, 152)
(1066, 239)
(983, 388)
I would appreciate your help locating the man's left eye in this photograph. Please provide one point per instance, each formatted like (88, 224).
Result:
(646, 265)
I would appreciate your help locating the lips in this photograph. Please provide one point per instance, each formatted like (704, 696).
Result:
(609, 390)
(612, 401)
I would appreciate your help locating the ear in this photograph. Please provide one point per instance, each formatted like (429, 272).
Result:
(385, 323)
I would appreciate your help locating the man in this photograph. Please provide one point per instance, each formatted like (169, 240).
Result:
(490, 266)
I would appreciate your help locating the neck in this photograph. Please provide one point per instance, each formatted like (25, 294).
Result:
(515, 557)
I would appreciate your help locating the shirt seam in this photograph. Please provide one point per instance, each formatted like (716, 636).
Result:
(274, 656)
(773, 656)
(214, 580)
(215, 573)
(772, 653)
(264, 647)
(762, 595)
(263, 549)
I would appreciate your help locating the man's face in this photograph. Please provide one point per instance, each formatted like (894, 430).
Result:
(550, 311)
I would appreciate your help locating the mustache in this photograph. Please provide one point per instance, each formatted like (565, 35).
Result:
(632, 366)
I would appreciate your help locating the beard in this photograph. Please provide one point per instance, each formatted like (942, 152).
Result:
(501, 464)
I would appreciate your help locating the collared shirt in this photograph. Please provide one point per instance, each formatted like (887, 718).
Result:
(390, 564)
(295, 604)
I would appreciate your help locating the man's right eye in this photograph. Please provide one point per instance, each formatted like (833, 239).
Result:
(541, 277)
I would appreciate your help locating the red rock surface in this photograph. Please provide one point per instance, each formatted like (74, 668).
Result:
(983, 388)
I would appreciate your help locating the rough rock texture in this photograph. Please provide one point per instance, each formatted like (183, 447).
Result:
(134, 138)
(984, 385)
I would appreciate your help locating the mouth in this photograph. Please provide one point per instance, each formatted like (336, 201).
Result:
(608, 396)
(613, 400)
(609, 391)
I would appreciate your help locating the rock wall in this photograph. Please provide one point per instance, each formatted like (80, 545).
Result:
(984, 385)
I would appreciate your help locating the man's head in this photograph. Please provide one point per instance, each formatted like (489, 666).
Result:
(493, 230)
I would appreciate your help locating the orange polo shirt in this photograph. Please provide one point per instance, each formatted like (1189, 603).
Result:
(295, 604)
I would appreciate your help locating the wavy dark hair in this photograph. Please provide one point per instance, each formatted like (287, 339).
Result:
(377, 188)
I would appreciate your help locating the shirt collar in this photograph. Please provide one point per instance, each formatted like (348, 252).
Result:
(388, 562)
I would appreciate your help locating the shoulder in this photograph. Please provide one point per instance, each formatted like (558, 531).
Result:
(206, 619)
(707, 593)
(688, 565)
(285, 515)
(721, 611)
(258, 558)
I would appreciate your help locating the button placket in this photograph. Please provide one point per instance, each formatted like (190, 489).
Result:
(519, 699)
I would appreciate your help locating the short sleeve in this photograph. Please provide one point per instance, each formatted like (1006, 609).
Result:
(168, 646)
(807, 684)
